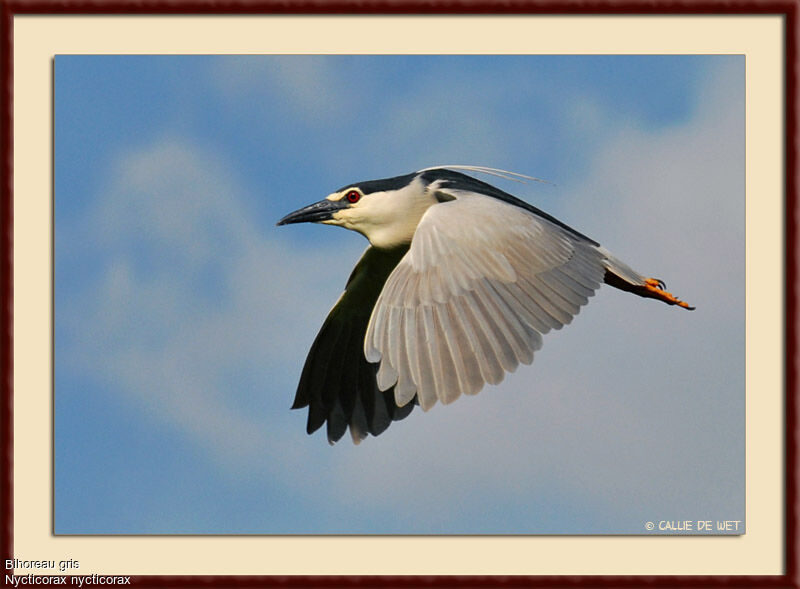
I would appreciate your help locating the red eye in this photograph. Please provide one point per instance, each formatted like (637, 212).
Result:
(353, 196)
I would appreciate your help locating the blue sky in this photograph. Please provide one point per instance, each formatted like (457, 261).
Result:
(183, 315)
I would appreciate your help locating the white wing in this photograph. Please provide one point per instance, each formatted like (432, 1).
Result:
(482, 281)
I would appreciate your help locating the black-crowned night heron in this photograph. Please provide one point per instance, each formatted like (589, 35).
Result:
(458, 285)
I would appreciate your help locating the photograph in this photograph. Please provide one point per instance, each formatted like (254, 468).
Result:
(534, 323)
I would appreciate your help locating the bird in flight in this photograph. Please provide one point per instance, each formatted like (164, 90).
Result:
(458, 285)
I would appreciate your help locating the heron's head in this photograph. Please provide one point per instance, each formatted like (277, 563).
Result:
(385, 211)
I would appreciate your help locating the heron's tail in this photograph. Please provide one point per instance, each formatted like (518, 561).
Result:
(621, 276)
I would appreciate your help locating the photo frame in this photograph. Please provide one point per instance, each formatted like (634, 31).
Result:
(36, 31)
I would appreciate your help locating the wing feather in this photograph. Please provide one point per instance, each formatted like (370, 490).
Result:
(466, 374)
(412, 345)
(517, 334)
(527, 309)
(485, 352)
(549, 288)
(405, 389)
(539, 294)
(426, 384)
(495, 327)
(481, 283)
(575, 287)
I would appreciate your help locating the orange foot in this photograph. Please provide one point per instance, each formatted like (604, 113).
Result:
(655, 289)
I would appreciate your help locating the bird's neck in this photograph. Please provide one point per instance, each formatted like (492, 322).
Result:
(394, 218)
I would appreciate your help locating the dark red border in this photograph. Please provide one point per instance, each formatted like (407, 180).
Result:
(787, 8)
(6, 290)
(159, 7)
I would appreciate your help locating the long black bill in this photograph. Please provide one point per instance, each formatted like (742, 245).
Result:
(319, 211)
